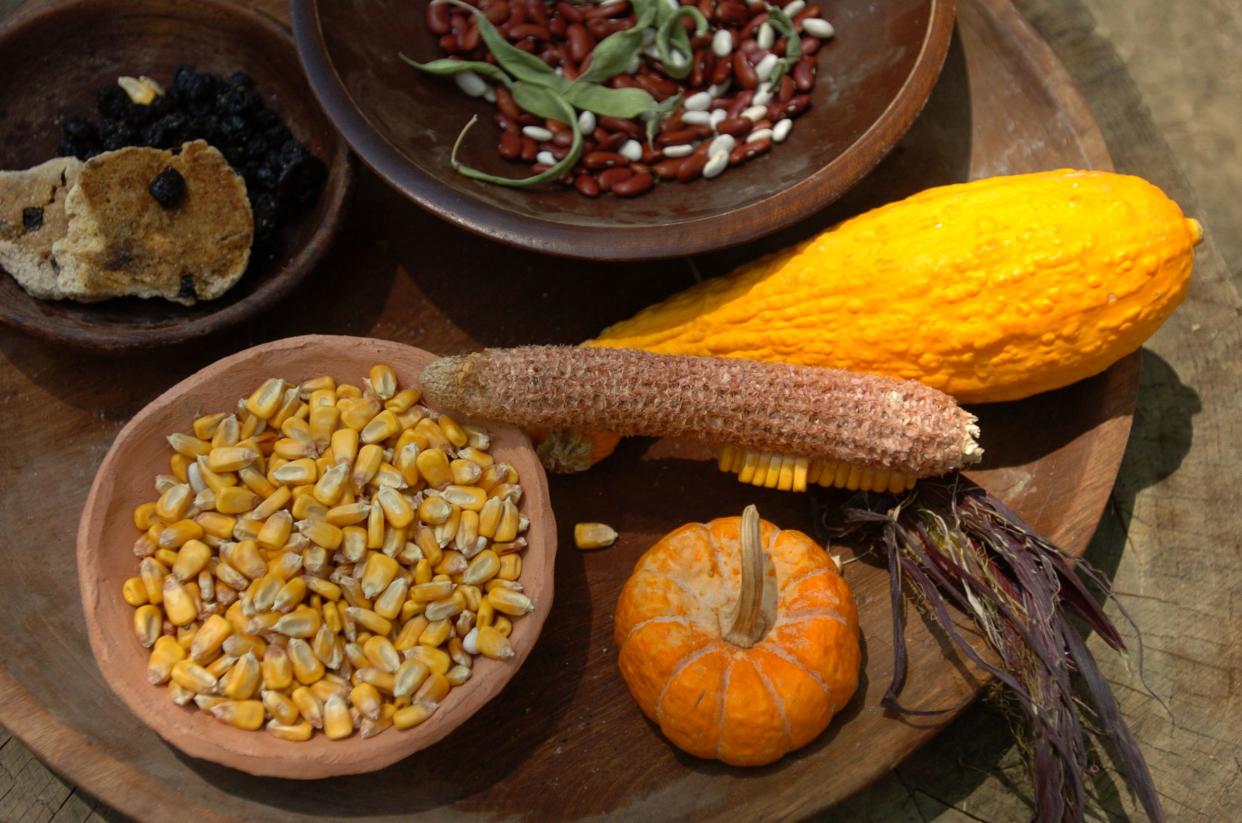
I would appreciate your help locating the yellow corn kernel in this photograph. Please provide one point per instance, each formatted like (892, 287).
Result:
(349, 514)
(166, 557)
(227, 433)
(402, 401)
(411, 609)
(510, 518)
(134, 592)
(142, 516)
(290, 595)
(255, 480)
(507, 601)
(451, 563)
(434, 511)
(356, 413)
(485, 615)
(379, 571)
(190, 675)
(216, 525)
(589, 536)
(384, 681)
(323, 383)
(276, 668)
(353, 543)
(148, 623)
(388, 604)
(290, 402)
(179, 464)
(306, 507)
(410, 633)
(412, 715)
(243, 678)
(321, 533)
(244, 556)
(302, 623)
(379, 428)
(206, 425)
(187, 445)
(241, 714)
(436, 660)
(453, 432)
(276, 530)
(375, 527)
(210, 638)
(351, 589)
(152, 574)
(503, 625)
(281, 708)
(489, 517)
(410, 675)
(482, 568)
(397, 510)
(479, 458)
(383, 381)
(435, 633)
(449, 607)
(510, 567)
(190, 560)
(219, 667)
(298, 430)
(488, 642)
(433, 466)
(308, 705)
(166, 653)
(230, 459)
(434, 590)
(264, 401)
(435, 688)
(235, 500)
(466, 497)
(306, 667)
(366, 699)
(174, 503)
(382, 654)
(466, 473)
(369, 620)
(299, 472)
(331, 484)
(290, 448)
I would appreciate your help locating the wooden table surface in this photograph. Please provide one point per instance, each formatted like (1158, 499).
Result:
(1174, 561)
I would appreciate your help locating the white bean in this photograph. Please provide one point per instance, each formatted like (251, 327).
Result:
(697, 118)
(716, 164)
(537, 133)
(680, 150)
(723, 143)
(763, 95)
(794, 8)
(631, 150)
(586, 122)
(489, 96)
(677, 59)
(546, 157)
(759, 134)
(718, 117)
(755, 113)
(722, 43)
(781, 130)
(635, 64)
(698, 102)
(818, 27)
(470, 83)
(766, 36)
(765, 67)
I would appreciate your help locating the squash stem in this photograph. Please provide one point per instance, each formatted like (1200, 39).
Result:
(748, 628)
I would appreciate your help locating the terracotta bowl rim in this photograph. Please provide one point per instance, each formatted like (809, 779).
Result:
(277, 284)
(677, 238)
(319, 757)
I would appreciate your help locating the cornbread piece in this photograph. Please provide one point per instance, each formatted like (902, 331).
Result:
(32, 218)
(121, 241)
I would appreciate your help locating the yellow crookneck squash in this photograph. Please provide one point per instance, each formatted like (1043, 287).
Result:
(992, 290)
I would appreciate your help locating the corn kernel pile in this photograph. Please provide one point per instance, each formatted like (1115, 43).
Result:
(328, 557)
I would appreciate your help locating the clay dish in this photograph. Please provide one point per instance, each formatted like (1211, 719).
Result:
(874, 78)
(109, 38)
(105, 559)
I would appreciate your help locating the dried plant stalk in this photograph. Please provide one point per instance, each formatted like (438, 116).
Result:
(864, 420)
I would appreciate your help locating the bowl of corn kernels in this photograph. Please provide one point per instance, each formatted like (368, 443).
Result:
(293, 567)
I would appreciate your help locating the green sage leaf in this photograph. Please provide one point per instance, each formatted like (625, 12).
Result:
(450, 67)
(551, 106)
(520, 64)
(613, 55)
(672, 35)
(626, 103)
(783, 24)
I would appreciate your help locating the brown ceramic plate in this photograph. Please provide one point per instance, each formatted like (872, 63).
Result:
(874, 78)
(54, 56)
(105, 559)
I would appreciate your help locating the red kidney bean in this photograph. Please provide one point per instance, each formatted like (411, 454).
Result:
(497, 13)
(619, 124)
(650, 155)
(529, 30)
(605, 10)
(580, 42)
(634, 186)
(667, 169)
(537, 12)
(530, 149)
(556, 149)
(751, 49)
(564, 139)
(504, 123)
(517, 14)
(613, 142)
(570, 71)
(558, 27)
(551, 57)
(787, 89)
(707, 8)
(804, 74)
(810, 11)
(510, 145)
(570, 12)
(703, 148)
(722, 72)
(586, 184)
(731, 13)
(698, 68)
(691, 168)
(778, 45)
(810, 45)
(744, 72)
(753, 25)
(505, 103)
(527, 45)
(556, 126)
(745, 151)
(528, 119)
(540, 168)
(736, 126)
(796, 105)
(765, 123)
(438, 21)
(597, 160)
(610, 178)
(448, 43)
(741, 101)
(469, 38)
(676, 138)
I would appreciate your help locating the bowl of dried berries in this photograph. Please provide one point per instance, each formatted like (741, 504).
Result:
(293, 566)
(164, 170)
(623, 129)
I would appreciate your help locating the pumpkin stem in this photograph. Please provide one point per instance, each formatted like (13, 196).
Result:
(748, 626)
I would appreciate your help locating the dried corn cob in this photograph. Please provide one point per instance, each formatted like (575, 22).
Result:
(787, 425)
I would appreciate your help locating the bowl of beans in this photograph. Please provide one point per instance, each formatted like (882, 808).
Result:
(292, 566)
(623, 129)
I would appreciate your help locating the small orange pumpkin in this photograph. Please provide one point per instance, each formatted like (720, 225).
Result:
(738, 639)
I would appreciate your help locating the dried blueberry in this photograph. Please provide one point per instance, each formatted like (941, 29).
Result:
(300, 181)
(113, 102)
(168, 187)
(80, 130)
(241, 80)
(69, 148)
(183, 77)
(278, 135)
(232, 126)
(264, 118)
(187, 287)
(32, 218)
(202, 88)
(256, 148)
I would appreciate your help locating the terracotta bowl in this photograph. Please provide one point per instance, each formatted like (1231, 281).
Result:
(108, 38)
(106, 534)
(874, 79)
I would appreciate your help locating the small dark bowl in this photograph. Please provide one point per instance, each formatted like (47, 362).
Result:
(874, 78)
(54, 57)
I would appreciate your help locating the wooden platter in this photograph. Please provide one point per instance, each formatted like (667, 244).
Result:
(564, 740)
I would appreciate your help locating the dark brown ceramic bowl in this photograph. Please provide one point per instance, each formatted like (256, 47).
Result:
(874, 78)
(106, 535)
(54, 56)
